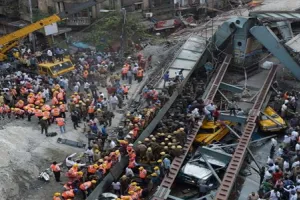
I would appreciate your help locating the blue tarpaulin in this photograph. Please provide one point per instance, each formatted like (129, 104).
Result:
(80, 45)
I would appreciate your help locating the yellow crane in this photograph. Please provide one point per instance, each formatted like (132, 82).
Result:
(10, 40)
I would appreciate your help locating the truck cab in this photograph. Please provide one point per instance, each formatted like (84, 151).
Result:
(56, 69)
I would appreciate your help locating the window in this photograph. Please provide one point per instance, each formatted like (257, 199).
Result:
(62, 66)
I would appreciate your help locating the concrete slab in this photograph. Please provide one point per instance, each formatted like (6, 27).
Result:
(278, 5)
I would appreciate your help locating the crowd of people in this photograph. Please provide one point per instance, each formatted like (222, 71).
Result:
(280, 177)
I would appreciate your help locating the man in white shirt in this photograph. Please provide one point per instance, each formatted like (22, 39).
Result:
(297, 147)
(70, 162)
(117, 187)
(90, 154)
(86, 87)
(50, 56)
(129, 173)
(283, 110)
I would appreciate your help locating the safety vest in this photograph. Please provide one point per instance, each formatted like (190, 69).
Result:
(91, 109)
(126, 198)
(86, 185)
(60, 96)
(6, 109)
(20, 112)
(139, 73)
(54, 101)
(38, 113)
(30, 99)
(20, 104)
(131, 164)
(60, 121)
(91, 169)
(124, 70)
(68, 194)
(55, 112)
(108, 165)
(55, 93)
(46, 107)
(62, 108)
(31, 110)
(55, 168)
(85, 74)
(46, 114)
(143, 173)
(39, 96)
(56, 198)
(125, 89)
(135, 196)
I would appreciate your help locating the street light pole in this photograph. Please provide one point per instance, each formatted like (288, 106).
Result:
(123, 36)
(31, 35)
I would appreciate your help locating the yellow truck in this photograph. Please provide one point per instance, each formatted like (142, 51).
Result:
(56, 69)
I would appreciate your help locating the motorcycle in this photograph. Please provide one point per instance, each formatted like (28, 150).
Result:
(45, 175)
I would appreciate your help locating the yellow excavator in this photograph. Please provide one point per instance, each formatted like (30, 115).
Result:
(10, 40)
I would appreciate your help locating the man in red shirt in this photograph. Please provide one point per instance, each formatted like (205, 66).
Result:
(277, 175)
(216, 115)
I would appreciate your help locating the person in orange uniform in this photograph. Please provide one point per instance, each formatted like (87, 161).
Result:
(125, 91)
(7, 110)
(124, 72)
(140, 74)
(61, 124)
(30, 112)
(143, 174)
(86, 188)
(85, 74)
(92, 169)
(54, 101)
(56, 171)
(63, 109)
(91, 111)
(56, 196)
(47, 116)
(38, 113)
(69, 194)
(19, 113)
(55, 112)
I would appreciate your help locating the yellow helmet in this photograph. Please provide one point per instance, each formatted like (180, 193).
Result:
(133, 183)
(53, 106)
(95, 166)
(75, 92)
(94, 181)
(99, 110)
(57, 194)
(153, 174)
(159, 161)
(37, 107)
(141, 168)
(96, 151)
(60, 102)
(12, 109)
(80, 173)
(162, 153)
(156, 168)
(100, 160)
(75, 165)
(80, 101)
(130, 192)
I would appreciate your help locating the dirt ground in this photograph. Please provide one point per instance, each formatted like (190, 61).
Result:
(26, 152)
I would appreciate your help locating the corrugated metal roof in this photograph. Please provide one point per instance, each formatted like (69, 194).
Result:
(275, 15)
(294, 43)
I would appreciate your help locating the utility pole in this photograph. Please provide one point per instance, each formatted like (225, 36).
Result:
(123, 36)
(31, 35)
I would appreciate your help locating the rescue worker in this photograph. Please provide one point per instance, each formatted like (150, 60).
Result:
(125, 91)
(55, 112)
(61, 124)
(63, 109)
(47, 116)
(92, 169)
(69, 194)
(44, 125)
(140, 74)
(91, 111)
(143, 175)
(56, 196)
(149, 155)
(86, 188)
(56, 171)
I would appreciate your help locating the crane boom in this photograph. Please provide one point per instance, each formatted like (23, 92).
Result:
(23, 32)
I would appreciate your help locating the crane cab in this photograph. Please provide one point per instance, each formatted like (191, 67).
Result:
(56, 69)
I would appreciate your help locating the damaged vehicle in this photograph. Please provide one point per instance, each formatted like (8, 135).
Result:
(196, 170)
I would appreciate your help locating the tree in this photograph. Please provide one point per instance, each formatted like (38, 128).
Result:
(109, 30)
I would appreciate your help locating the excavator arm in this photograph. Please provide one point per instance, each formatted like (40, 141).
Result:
(10, 40)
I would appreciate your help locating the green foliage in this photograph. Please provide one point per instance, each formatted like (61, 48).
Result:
(109, 30)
